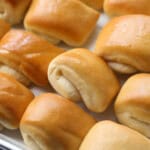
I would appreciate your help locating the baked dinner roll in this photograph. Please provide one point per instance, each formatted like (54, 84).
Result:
(108, 135)
(80, 75)
(96, 4)
(132, 106)
(4, 27)
(26, 56)
(52, 122)
(125, 44)
(14, 98)
(68, 20)
(13, 10)
(123, 7)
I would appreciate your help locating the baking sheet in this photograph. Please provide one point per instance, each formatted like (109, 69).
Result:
(14, 137)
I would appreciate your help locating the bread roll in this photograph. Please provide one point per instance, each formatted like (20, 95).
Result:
(132, 106)
(13, 10)
(124, 43)
(51, 122)
(26, 56)
(68, 20)
(80, 75)
(107, 135)
(123, 7)
(4, 27)
(14, 98)
(96, 4)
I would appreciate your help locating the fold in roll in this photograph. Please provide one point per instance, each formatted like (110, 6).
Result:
(68, 20)
(123, 7)
(51, 122)
(13, 10)
(108, 135)
(96, 4)
(26, 56)
(14, 99)
(124, 43)
(4, 28)
(80, 75)
(132, 106)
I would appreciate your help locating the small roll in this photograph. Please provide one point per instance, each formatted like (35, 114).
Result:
(132, 106)
(26, 56)
(14, 99)
(13, 10)
(124, 43)
(68, 20)
(4, 28)
(80, 75)
(51, 122)
(107, 135)
(123, 7)
(96, 4)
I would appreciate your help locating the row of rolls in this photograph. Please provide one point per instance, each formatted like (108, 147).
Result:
(70, 21)
(50, 121)
(54, 122)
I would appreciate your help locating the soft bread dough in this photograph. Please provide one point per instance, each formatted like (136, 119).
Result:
(132, 106)
(124, 43)
(124, 7)
(108, 135)
(68, 20)
(26, 56)
(14, 99)
(80, 75)
(13, 11)
(52, 122)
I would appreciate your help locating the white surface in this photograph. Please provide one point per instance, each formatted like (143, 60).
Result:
(107, 115)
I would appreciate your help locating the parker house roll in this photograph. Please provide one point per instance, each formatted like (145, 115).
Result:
(78, 74)
(108, 135)
(123, 7)
(125, 44)
(14, 99)
(13, 10)
(71, 21)
(26, 56)
(4, 28)
(96, 4)
(52, 122)
(132, 106)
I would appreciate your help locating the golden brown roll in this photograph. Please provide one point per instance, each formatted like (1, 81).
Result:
(4, 27)
(80, 75)
(108, 135)
(26, 56)
(96, 4)
(52, 122)
(124, 43)
(14, 99)
(132, 106)
(123, 7)
(68, 20)
(13, 10)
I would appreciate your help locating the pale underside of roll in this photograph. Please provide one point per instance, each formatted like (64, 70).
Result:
(52, 122)
(124, 43)
(80, 75)
(108, 135)
(132, 105)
